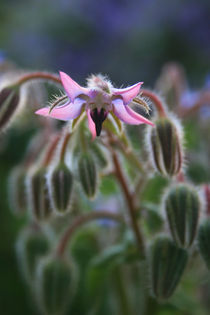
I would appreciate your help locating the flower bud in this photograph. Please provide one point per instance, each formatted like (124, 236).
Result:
(55, 285)
(165, 146)
(9, 100)
(87, 174)
(38, 195)
(203, 241)
(61, 187)
(31, 246)
(167, 264)
(16, 191)
(99, 155)
(182, 206)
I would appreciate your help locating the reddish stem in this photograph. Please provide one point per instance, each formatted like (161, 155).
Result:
(156, 101)
(39, 75)
(64, 145)
(79, 221)
(50, 152)
(203, 100)
(131, 204)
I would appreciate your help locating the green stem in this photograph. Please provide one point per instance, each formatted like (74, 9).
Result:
(81, 220)
(121, 288)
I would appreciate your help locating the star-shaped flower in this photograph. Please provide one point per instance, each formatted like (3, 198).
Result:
(98, 99)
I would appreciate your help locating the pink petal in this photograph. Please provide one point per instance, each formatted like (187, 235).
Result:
(72, 88)
(128, 93)
(67, 112)
(139, 117)
(91, 125)
(120, 111)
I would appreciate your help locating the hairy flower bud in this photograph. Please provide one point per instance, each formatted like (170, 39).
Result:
(31, 246)
(167, 264)
(99, 155)
(38, 195)
(165, 146)
(182, 206)
(61, 187)
(9, 100)
(87, 174)
(55, 285)
(16, 191)
(203, 241)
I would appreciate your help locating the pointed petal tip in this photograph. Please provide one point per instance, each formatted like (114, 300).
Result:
(43, 111)
(128, 93)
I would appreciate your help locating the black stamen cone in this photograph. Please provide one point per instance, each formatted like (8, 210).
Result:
(98, 116)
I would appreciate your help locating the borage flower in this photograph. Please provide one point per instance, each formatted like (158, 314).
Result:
(98, 99)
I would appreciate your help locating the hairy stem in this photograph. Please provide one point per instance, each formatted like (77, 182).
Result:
(64, 146)
(39, 75)
(156, 101)
(81, 220)
(51, 150)
(130, 202)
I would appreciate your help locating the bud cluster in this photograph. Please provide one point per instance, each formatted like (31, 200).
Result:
(66, 168)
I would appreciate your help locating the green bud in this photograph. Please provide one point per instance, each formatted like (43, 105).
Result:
(204, 241)
(61, 187)
(99, 155)
(38, 195)
(182, 206)
(9, 100)
(55, 285)
(16, 191)
(167, 264)
(87, 174)
(31, 246)
(165, 146)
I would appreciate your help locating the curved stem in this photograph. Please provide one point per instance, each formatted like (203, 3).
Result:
(203, 100)
(81, 220)
(156, 101)
(39, 75)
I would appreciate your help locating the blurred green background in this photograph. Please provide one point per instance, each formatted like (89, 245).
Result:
(130, 40)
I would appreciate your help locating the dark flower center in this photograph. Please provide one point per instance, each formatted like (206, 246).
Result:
(98, 116)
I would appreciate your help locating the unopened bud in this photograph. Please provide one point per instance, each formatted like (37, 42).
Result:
(167, 264)
(204, 241)
(9, 100)
(38, 195)
(61, 188)
(182, 206)
(31, 246)
(88, 174)
(16, 191)
(165, 146)
(55, 285)
(99, 154)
